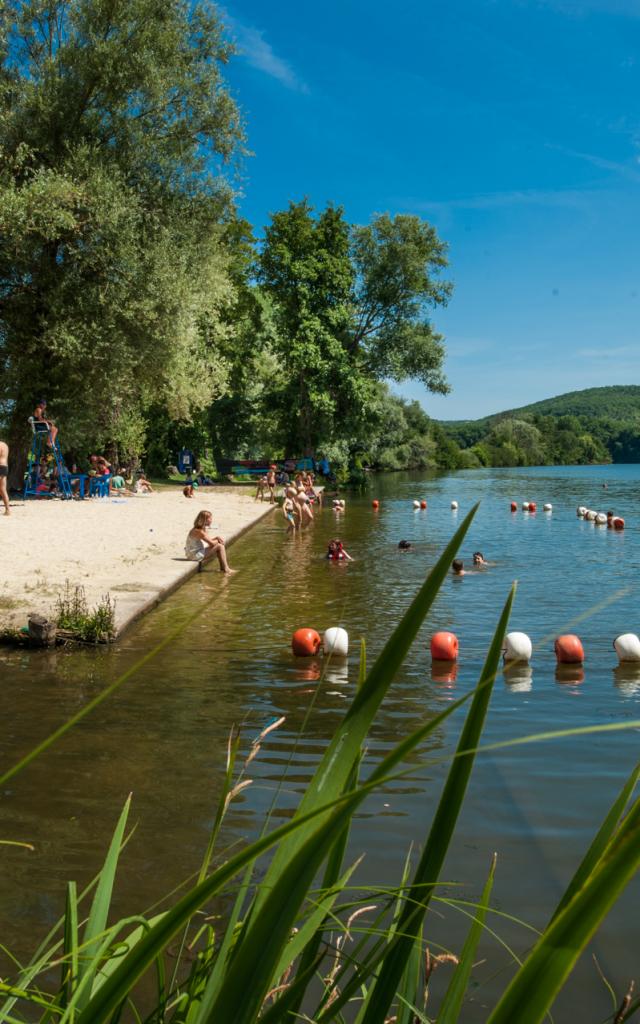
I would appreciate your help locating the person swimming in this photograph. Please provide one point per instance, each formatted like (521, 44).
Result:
(337, 553)
(404, 545)
(479, 559)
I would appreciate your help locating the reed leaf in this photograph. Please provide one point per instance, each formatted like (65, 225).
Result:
(452, 1002)
(70, 960)
(442, 828)
(532, 991)
(599, 844)
(87, 965)
(331, 775)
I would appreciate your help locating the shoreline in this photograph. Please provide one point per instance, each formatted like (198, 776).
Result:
(129, 548)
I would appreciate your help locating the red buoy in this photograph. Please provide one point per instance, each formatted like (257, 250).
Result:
(444, 646)
(618, 523)
(305, 643)
(532, 506)
(423, 504)
(569, 650)
(375, 503)
(514, 506)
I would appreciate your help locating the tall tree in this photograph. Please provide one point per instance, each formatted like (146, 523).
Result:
(114, 122)
(351, 309)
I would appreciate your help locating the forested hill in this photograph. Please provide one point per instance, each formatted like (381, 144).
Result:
(594, 425)
(620, 402)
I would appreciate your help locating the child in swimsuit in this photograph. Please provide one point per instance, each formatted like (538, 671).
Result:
(337, 553)
(4, 472)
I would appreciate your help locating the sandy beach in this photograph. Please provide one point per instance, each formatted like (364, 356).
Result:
(131, 548)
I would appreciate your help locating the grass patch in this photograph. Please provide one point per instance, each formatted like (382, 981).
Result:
(93, 625)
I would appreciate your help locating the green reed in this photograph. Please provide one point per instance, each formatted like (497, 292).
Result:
(282, 955)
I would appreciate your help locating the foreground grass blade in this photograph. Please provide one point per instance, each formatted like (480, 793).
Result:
(99, 912)
(535, 986)
(428, 871)
(452, 1002)
(269, 931)
(134, 963)
(70, 962)
(599, 844)
(331, 775)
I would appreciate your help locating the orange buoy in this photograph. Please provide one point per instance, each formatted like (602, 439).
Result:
(514, 506)
(423, 504)
(618, 523)
(375, 503)
(305, 643)
(569, 650)
(444, 646)
(532, 506)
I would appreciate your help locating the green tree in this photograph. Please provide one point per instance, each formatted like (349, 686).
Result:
(114, 121)
(350, 306)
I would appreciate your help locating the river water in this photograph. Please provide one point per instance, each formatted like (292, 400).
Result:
(163, 735)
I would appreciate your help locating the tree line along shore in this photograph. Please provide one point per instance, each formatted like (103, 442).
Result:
(152, 316)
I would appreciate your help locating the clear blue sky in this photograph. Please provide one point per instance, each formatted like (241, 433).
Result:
(513, 126)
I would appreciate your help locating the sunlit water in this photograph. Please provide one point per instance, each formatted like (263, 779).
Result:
(163, 735)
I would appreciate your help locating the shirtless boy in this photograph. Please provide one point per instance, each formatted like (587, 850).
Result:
(4, 471)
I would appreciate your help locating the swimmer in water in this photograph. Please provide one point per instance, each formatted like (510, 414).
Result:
(336, 552)
(479, 559)
(458, 568)
(404, 545)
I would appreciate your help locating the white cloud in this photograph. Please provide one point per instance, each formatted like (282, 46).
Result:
(257, 52)
(515, 197)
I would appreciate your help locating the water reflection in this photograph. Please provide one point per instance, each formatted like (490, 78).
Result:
(518, 676)
(626, 678)
(444, 671)
(569, 674)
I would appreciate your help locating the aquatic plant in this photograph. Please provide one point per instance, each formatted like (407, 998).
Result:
(91, 625)
(282, 954)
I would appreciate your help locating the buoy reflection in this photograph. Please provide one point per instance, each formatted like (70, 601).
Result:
(518, 676)
(626, 678)
(444, 671)
(569, 673)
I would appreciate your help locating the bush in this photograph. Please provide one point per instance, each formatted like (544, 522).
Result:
(95, 625)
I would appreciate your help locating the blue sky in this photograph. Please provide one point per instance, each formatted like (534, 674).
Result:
(513, 126)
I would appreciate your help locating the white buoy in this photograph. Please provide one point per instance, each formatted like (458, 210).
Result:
(416, 504)
(454, 504)
(517, 647)
(601, 519)
(627, 647)
(548, 507)
(591, 515)
(525, 506)
(336, 642)
(581, 511)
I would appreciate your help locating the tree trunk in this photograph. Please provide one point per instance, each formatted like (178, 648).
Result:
(19, 441)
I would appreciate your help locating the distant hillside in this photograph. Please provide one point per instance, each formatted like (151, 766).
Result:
(594, 425)
(620, 402)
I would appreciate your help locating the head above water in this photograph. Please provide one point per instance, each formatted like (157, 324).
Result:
(404, 545)
(457, 565)
(478, 557)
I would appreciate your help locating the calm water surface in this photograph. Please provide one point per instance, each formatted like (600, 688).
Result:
(163, 735)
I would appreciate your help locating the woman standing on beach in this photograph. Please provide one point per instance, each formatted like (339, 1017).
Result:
(4, 472)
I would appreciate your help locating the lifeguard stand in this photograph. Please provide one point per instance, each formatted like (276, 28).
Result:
(42, 445)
